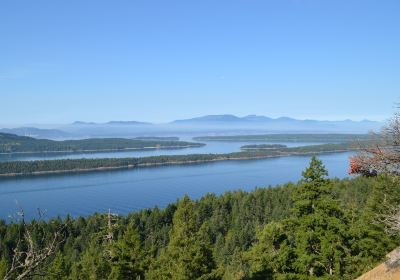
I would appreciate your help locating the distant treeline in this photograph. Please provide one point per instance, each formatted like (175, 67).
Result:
(157, 138)
(288, 138)
(262, 147)
(10, 143)
(77, 165)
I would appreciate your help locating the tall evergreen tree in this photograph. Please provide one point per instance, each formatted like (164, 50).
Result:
(58, 268)
(188, 255)
(312, 242)
(372, 241)
(319, 224)
(93, 264)
(128, 260)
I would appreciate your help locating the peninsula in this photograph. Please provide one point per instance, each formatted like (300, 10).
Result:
(42, 167)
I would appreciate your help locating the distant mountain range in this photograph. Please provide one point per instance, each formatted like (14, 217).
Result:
(204, 125)
(280, 125)
(233, 118)
(256, 118)
(37, 132)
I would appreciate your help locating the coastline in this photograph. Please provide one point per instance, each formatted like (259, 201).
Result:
(109, 150)
(168, 163)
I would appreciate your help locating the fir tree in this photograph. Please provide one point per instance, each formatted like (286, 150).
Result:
(188, 255)
(312, 242)
(128, 256)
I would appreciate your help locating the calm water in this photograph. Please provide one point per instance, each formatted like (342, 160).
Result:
(127, 190)
(211, 147)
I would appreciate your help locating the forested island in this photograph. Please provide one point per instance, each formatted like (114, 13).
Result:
(11, 143)
(41, 167)
(317, 228)
(157, 138)
(262, 147)
(328, 138)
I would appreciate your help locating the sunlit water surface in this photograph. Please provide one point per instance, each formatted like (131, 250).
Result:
(123, 191)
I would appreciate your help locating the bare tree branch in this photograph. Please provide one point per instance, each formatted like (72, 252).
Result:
(382, 155)
(28, 255)
(391, 219)
(109, 236)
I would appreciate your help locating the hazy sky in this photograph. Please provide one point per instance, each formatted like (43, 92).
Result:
(62, 61)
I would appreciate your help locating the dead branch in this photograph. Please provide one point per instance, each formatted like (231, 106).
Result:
(27, 254)
(383, 155)
(391, 219)
(109, 236)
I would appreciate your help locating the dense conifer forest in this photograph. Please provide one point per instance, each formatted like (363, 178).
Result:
(316, 228)
(10, 143)
(77, 165)
(262, 147)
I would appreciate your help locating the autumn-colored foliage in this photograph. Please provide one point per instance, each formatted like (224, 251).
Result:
(361, 164)
(382, 155)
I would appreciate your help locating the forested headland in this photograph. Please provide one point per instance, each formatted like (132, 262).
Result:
(10, 143)
(14, 168)
(316, 228)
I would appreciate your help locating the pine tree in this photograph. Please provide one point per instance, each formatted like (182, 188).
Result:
(188, 255)
(128, 256)
(93, 264)
(272, 254)
(58, 268)
(319, 225)
(372, 242)
(312, 242)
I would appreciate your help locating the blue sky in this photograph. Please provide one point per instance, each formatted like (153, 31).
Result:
(62, 61)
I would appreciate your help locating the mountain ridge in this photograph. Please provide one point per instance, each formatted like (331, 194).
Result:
(251, 118)
(228, 124)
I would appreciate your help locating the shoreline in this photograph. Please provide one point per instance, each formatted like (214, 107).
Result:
(108, 150)
(168, 163)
